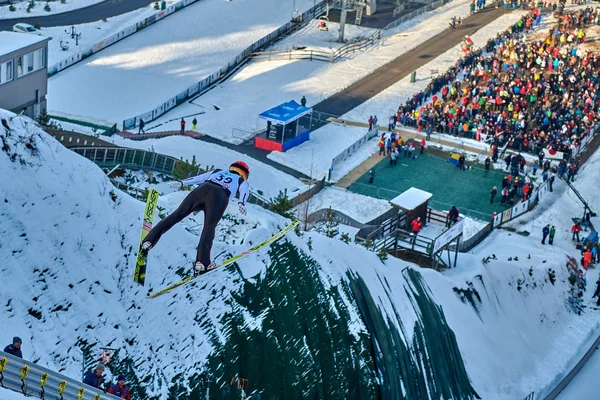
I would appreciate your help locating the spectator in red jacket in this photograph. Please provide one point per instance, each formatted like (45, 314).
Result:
(120, 390)
(416, 225)
(576, 229)
(452, 216)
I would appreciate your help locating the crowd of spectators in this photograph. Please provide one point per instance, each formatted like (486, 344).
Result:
(528, 95)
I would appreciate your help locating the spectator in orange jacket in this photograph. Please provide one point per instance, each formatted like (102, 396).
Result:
(382, 147)
(587, 258)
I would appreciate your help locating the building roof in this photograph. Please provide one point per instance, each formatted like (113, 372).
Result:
(411, 199)
(13, 41)
(285, 113)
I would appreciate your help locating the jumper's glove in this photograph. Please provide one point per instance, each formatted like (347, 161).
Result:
(242, 208)
(175, 184)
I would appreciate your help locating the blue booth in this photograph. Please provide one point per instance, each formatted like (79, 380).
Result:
(284, 129)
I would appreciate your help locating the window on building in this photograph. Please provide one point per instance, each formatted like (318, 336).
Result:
(30, 62)
(9, 71)
(19, 66)
(42, 55)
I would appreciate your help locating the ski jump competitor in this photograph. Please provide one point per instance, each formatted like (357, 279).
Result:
(211, 196)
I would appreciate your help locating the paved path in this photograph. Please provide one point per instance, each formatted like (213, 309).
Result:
(394, 71)
(359, 171)
(158, 135)
(96, 12)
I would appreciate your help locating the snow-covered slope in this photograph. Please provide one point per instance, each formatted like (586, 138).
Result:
(309, 317)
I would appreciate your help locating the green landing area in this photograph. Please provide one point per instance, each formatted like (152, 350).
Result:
(469, 190)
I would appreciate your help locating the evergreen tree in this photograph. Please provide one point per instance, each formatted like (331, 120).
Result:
(185, 169)
(345, 237)
(282, 204)
(44, 120)
(382, 254)
(331, 226)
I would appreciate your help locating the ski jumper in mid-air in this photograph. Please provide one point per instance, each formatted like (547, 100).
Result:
(211, 196)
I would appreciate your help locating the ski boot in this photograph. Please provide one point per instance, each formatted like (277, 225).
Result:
(200, 268)
(145, 248)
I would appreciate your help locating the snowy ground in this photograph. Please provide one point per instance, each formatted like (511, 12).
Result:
(141, 72)
(92, 32)
(358, 207)
(584, 385)
(314, 39)
(56, 7)
(516, 336)
(263, 178)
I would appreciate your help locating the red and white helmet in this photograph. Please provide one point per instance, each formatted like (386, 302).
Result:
(240, 168)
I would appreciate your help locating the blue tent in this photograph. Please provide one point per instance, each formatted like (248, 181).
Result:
(285, 113)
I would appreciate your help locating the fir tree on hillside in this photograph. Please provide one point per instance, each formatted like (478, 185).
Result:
(185, 169)
(282, 204)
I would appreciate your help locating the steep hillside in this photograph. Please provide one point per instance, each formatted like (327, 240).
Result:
(310, 317)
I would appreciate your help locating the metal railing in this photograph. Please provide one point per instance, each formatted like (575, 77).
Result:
(33, 380)
(108, 157)
(416, 13)
(318, 55)
(135, 192)
(294, 54)
(404, 240)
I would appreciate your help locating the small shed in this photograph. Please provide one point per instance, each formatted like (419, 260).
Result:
(284, 127)
(414, 202)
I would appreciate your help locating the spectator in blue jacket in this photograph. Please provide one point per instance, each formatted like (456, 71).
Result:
(94, 378)
(15, 347)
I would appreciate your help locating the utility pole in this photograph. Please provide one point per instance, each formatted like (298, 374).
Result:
(343, 14)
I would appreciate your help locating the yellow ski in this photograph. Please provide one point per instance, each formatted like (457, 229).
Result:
(231, 260)
(142, 262)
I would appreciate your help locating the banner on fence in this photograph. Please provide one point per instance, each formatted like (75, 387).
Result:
(519, 208)
(349, 151)
(543, 191)
(506, 215)
(447, 236)
(498, 219)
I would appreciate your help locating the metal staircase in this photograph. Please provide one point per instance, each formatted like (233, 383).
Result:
(359, 14)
